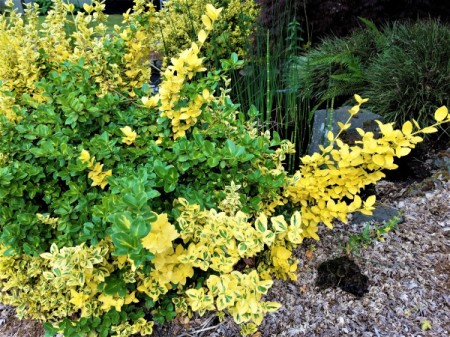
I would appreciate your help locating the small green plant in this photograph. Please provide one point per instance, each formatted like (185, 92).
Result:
(369, 234)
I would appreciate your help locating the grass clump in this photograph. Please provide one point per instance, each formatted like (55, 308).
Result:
(411, 77)
(404, 69)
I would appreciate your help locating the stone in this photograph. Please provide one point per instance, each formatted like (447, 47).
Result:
(364, 119)
(382, 214)
(442, 162)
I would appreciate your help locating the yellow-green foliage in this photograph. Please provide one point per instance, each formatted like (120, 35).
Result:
(21, 39)
(114, 200)
(180, 20)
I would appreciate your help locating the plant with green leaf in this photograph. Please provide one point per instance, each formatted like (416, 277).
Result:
(267, 80)
(398, 67)
(369, 234)
(411, 77)
(180, 20)
(336, 68)
(120, 208)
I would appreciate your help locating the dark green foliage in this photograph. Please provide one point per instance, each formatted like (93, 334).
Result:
(411, 78)
(403, 69)
(336, 68)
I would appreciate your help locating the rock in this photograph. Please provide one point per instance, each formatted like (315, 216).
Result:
(421, 188)
(442, 162)
(364, 119)
(380, 215)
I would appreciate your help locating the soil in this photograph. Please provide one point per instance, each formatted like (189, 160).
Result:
(403, 280)
(344, 273)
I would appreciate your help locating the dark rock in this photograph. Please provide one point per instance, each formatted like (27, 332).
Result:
(442, 162)
(343, 273)
(434, 182)
(364, 119)
(380, 215)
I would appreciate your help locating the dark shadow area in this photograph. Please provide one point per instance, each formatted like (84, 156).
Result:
(343, 273)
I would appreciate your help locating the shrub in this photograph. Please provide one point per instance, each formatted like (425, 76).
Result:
(120, 208)
(400, 69)
(180, 20)
(337, 67)
(411, 77)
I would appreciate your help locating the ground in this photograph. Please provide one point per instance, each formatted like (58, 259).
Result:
(408, 274)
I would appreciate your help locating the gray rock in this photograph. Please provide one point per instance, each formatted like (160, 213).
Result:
(442, 162)
(364, 119)
(380, 215)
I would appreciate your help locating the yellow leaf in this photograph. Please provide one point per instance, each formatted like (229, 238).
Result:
(110, 301)
(207, 22)
(312, 231)
(279, 224)
(359, 99)
(88, 8)
(402, 151)
(344, 126)
(429, 129)
(365, 212)
(202, 36)
(78, 299)
(131, 298)
(426, 325)
(212, 12)
(161, 235)
(370, 201)
(296, 219)
(130, 135)
(85, 157)
(354, 110)
(281, 252)
(150, 102)
(441, 113)
(69, 7)
(206, 94)
(271, 306)
(407, 128)
(330, 136)
(378, 159)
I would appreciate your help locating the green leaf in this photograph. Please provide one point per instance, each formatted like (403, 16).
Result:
(124, 243)
(213, 161)
(209, 148)
(122, 222)
(113, 285)
(242, 249)
(50, 330)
